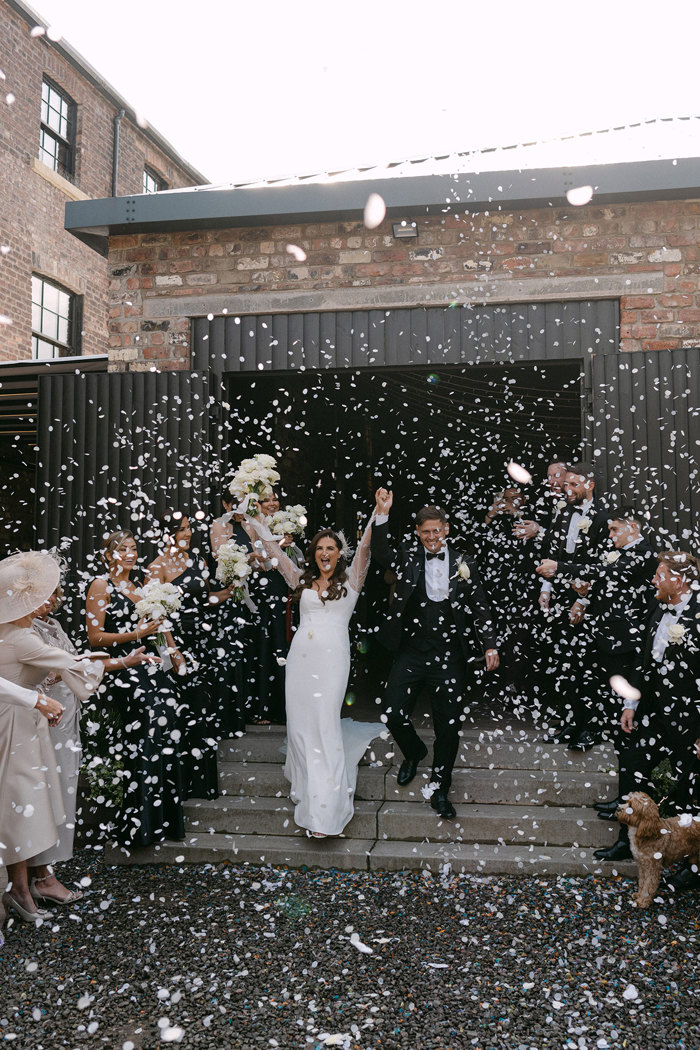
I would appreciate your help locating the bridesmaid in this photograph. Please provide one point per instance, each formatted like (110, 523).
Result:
(65, 737)
(270, 594)
(235, 628)
(146, 698)
(202, 723)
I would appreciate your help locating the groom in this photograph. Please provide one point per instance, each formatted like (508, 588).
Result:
(438, 620)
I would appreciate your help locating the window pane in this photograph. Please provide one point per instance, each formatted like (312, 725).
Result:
(45, 351)
(49, 324)
(63, 330)
(36, 289)
(63, 303)
(54, 120)
(51, 294)
(36, 317)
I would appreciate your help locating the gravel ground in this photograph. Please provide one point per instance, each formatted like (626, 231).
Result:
(242, 957)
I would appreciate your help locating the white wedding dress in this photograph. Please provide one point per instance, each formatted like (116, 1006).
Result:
(323, 749)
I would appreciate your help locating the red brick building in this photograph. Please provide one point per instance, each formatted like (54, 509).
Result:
(66, 136)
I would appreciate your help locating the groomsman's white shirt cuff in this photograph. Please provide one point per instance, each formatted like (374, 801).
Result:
(10, 693)
(546, 587)
(381, 519)
(630, 705)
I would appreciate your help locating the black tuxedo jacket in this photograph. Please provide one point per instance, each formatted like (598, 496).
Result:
(470, 607)
(588, 544)
(672, 687)
(621, 597)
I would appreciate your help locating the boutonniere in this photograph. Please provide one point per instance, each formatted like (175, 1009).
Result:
(561, 503)
(676, 633)
(463, 571)
(584, 525)
(612, 556)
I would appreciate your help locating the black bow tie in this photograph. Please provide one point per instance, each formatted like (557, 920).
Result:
(440, 556)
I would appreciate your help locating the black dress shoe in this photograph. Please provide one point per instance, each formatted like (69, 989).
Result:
(608, 814)
(609, 804)
(408, 768)
(683, 880)
(442, 805)
(618, 851)
(565, 734)
(583, 742)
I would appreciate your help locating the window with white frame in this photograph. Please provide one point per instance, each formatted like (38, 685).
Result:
(57, 134)
(55, 320)
(152, 182)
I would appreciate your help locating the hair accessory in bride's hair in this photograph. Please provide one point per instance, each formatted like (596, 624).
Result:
(345, 548)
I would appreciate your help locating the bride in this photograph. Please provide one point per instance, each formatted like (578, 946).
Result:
(323, 749)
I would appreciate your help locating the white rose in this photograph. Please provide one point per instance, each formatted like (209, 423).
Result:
(584, 525)
(676, 633)
(561, 503)
(612, 556)
(463, 570)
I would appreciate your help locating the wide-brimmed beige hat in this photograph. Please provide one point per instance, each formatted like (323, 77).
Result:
(27, 580)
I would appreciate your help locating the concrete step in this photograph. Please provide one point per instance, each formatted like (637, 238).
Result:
(268, 816)
(492, 860)
(260, 779)
(478, 748)
(544, 825)
(510, 786)
(514, 787)
(402, 821)
(278, 851)
(363, 855)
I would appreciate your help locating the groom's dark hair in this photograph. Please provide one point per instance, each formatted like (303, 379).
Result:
(430, 514)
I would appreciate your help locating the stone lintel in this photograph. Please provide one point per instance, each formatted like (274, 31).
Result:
(386, 297)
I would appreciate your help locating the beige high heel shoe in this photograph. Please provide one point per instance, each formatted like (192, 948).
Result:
(29, 916)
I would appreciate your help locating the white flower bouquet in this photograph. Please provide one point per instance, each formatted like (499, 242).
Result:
(288, 522)
(233, 569)
(254, 478)
(158, 601)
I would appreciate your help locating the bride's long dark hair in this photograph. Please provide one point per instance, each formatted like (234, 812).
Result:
(336, 584)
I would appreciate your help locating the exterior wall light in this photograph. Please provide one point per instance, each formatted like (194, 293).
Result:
(404, 230)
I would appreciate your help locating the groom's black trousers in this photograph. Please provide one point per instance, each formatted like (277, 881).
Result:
(444, 675)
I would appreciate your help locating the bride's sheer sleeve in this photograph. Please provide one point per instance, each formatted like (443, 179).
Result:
(291, 573)
(357, 573)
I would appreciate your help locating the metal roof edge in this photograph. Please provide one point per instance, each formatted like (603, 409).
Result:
(32, 18)
(34, 368)
(411, 195)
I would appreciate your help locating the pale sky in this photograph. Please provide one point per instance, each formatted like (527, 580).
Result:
(255, 90)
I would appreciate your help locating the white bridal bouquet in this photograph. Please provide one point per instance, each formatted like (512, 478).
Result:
(232, 568)
(288, 522)
(255, 477)
(158, 601)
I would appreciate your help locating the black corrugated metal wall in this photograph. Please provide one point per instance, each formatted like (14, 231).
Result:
(114, 451)
(646, 435)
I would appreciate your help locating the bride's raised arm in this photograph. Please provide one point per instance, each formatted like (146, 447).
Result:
(357, 573)
(284, 565)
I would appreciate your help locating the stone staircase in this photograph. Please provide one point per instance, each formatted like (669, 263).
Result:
(524, 806)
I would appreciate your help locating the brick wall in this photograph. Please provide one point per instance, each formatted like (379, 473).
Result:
(32, 208)
(552, 244)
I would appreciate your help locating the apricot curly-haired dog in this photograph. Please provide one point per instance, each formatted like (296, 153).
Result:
(656, 842)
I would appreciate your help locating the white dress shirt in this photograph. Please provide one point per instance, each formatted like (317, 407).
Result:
(658, 647)
(667, 620)
(437, 576)
(571, 537)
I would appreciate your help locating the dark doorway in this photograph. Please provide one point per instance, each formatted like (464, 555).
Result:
(435, 435)
(432, 434)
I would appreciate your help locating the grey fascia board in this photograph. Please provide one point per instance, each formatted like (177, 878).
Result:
(422, 194)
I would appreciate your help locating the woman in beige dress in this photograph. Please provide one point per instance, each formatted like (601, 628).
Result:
(31, 804)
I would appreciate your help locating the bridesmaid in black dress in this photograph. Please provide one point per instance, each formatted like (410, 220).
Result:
(235, 631)
(201, 716)
(145, 697)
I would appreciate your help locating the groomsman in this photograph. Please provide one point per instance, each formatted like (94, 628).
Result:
(575, 538)
(619, 601)
(548, 506)
(438, 622)
(665, 723)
